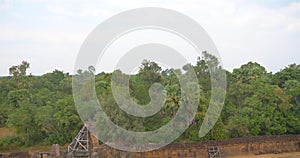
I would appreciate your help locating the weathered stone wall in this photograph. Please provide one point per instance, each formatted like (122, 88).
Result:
(16, 154)
(230, 147)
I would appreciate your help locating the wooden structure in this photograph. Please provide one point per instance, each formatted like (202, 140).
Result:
(214, 152)
(81, 145)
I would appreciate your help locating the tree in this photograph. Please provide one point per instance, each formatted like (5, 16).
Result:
(248, 72)
(53, 79)
(19, 70)
(150, 72)
(16, 97)
(22, 119)
(292, 72)
(67, 120)
(19, 74)
(41, 109)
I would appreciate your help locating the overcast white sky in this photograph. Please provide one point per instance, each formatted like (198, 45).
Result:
(48, 34)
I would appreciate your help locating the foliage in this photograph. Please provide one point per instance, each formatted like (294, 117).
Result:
(10, 142)
(40, 109)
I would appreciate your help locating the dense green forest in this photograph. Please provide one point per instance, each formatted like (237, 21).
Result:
(41, 110)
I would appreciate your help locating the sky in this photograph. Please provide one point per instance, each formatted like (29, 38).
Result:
(49, 34)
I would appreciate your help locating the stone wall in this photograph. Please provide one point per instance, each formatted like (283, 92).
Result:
(230, 147)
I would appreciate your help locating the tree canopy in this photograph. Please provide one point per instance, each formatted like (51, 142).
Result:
(41, 109)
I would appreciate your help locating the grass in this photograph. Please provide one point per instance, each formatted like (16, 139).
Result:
(4, 132)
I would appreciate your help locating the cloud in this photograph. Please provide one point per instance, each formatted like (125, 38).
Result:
(266, 32)
(40, 36)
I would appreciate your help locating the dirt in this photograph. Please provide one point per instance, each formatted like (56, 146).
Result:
(4, 132)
